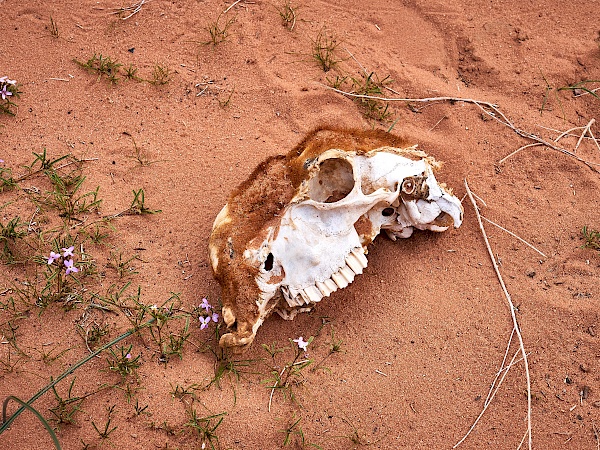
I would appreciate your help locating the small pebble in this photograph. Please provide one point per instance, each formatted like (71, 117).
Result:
(584, 368)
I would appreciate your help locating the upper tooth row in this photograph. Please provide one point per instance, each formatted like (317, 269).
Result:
(356, 261)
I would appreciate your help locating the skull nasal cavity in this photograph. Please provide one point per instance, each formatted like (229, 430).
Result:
(269, 262)
(333, 181)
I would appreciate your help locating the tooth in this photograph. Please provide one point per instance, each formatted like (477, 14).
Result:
(292, 297)
(324, 289)
(347, 274)
(339, 280)
(360, 256)
(354, 263)
(330, 284)
(313, 294)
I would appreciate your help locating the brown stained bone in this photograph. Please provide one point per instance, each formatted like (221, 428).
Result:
(251, 207)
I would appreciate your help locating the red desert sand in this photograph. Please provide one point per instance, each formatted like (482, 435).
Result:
(162, 108)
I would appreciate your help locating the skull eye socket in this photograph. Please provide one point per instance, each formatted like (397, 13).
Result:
(333, 181)
(409, 186)
(269, 262)
(387, 212)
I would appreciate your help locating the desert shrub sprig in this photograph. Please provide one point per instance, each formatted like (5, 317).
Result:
(66, 407)
(42, 162)
(122, 361)
(131, 73)
(10, 232)
(182, 392)
(67, 198)
(591, 237)
(107, 430)
(114, 71)
(335, 346)
(227, 364)
(325, 50)
(294, 435)
(160, 75)
(10, 360)
(218, 30)
(103, 66)
(169, 340)
(93, 334)
(121, 264)
(139, 409)
(288, 14)
(371, 85)
(291, 375)
(138, 206)
(366, 87)
(13, 355)
(7, 181)
(205, 427)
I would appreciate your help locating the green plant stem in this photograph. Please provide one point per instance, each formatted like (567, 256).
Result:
(37, 414)
(6, 422)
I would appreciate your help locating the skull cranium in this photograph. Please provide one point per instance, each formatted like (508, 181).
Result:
(298, 229)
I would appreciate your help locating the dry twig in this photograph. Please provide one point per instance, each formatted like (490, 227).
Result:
(514, 235)
(135, 8)
(515, 330)
(586, 130)
(488, 108)
(275, 387)
(231, 6)
(518, 150)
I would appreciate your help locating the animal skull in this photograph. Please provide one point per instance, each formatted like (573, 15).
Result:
(298, 229)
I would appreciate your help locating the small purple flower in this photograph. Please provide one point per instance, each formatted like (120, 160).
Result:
(1, 161)
(215, 317)
(68, 251)
(70, 267)
(5, 92)
(204, 321)
(3, 79)
(53, 257)
(205, 305)
(128, 356)
(301, 343)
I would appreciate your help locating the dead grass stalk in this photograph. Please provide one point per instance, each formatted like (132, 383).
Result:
(516, 329)
(489, 109)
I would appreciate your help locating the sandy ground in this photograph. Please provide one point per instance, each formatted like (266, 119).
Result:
(424, 330)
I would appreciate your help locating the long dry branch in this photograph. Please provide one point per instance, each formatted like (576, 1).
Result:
(488, 108)
(516, 328)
